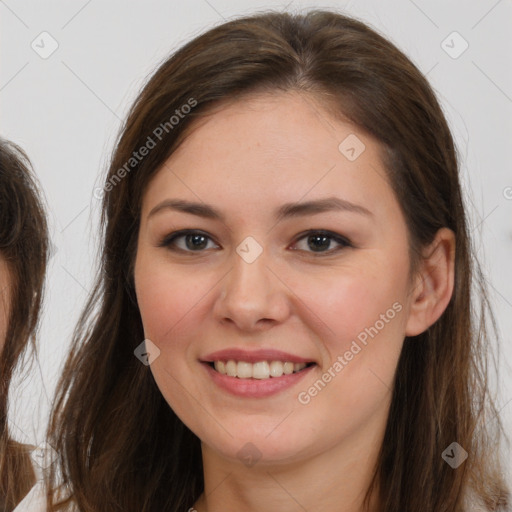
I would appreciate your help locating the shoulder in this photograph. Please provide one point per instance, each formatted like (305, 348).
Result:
(34, 501)
(473, 502)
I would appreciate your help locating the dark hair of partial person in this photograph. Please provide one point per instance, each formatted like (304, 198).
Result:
(24, 248)
(121, 446)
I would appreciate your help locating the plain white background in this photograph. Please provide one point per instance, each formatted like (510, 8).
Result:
(66, 109)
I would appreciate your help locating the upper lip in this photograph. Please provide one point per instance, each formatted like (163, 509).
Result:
(253, 356)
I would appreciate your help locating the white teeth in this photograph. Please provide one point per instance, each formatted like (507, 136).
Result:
(276, 369)
(259, 370)
(297, 367)
(288, 368)
(231, 367)
(244, 370)
(220, 367)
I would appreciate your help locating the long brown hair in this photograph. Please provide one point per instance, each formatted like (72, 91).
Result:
(24, 247)
(121, 446)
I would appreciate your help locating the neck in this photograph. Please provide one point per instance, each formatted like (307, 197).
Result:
(336, 479)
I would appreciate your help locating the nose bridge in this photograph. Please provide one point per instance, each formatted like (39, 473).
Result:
(250, 291)
(248, 279)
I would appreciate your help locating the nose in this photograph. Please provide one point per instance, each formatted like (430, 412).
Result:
(252, 297)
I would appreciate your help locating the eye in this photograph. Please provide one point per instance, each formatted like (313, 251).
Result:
(194, 241)
(319, 241)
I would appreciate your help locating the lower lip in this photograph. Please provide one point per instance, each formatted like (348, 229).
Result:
(256, 388)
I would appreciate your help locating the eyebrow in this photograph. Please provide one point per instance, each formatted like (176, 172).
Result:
(285, 211)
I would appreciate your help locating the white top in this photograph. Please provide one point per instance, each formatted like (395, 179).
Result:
(35, 500)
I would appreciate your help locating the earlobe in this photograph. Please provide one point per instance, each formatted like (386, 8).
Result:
(434, 283)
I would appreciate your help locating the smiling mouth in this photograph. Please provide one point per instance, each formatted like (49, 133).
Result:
(260, 370)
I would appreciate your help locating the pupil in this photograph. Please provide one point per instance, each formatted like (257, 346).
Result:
(198, 241)
(324, 241)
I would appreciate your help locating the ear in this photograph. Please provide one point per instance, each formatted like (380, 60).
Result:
(433, 286)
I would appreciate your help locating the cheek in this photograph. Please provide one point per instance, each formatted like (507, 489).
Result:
(363, 337)
(350, 301)
(168, 301)
(165, 297)
(362, 313)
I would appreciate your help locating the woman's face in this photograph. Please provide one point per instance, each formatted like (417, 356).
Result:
(255, 288)
(4, 300)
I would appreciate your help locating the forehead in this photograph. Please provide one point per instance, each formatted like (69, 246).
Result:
(291, 125)
(272, 148)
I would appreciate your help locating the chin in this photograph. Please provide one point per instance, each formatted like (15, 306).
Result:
(253, 446)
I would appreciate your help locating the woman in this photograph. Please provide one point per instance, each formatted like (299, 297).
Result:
(283, 318)
(23, 256)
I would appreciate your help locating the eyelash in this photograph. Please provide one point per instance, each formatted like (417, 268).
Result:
(170, 239)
